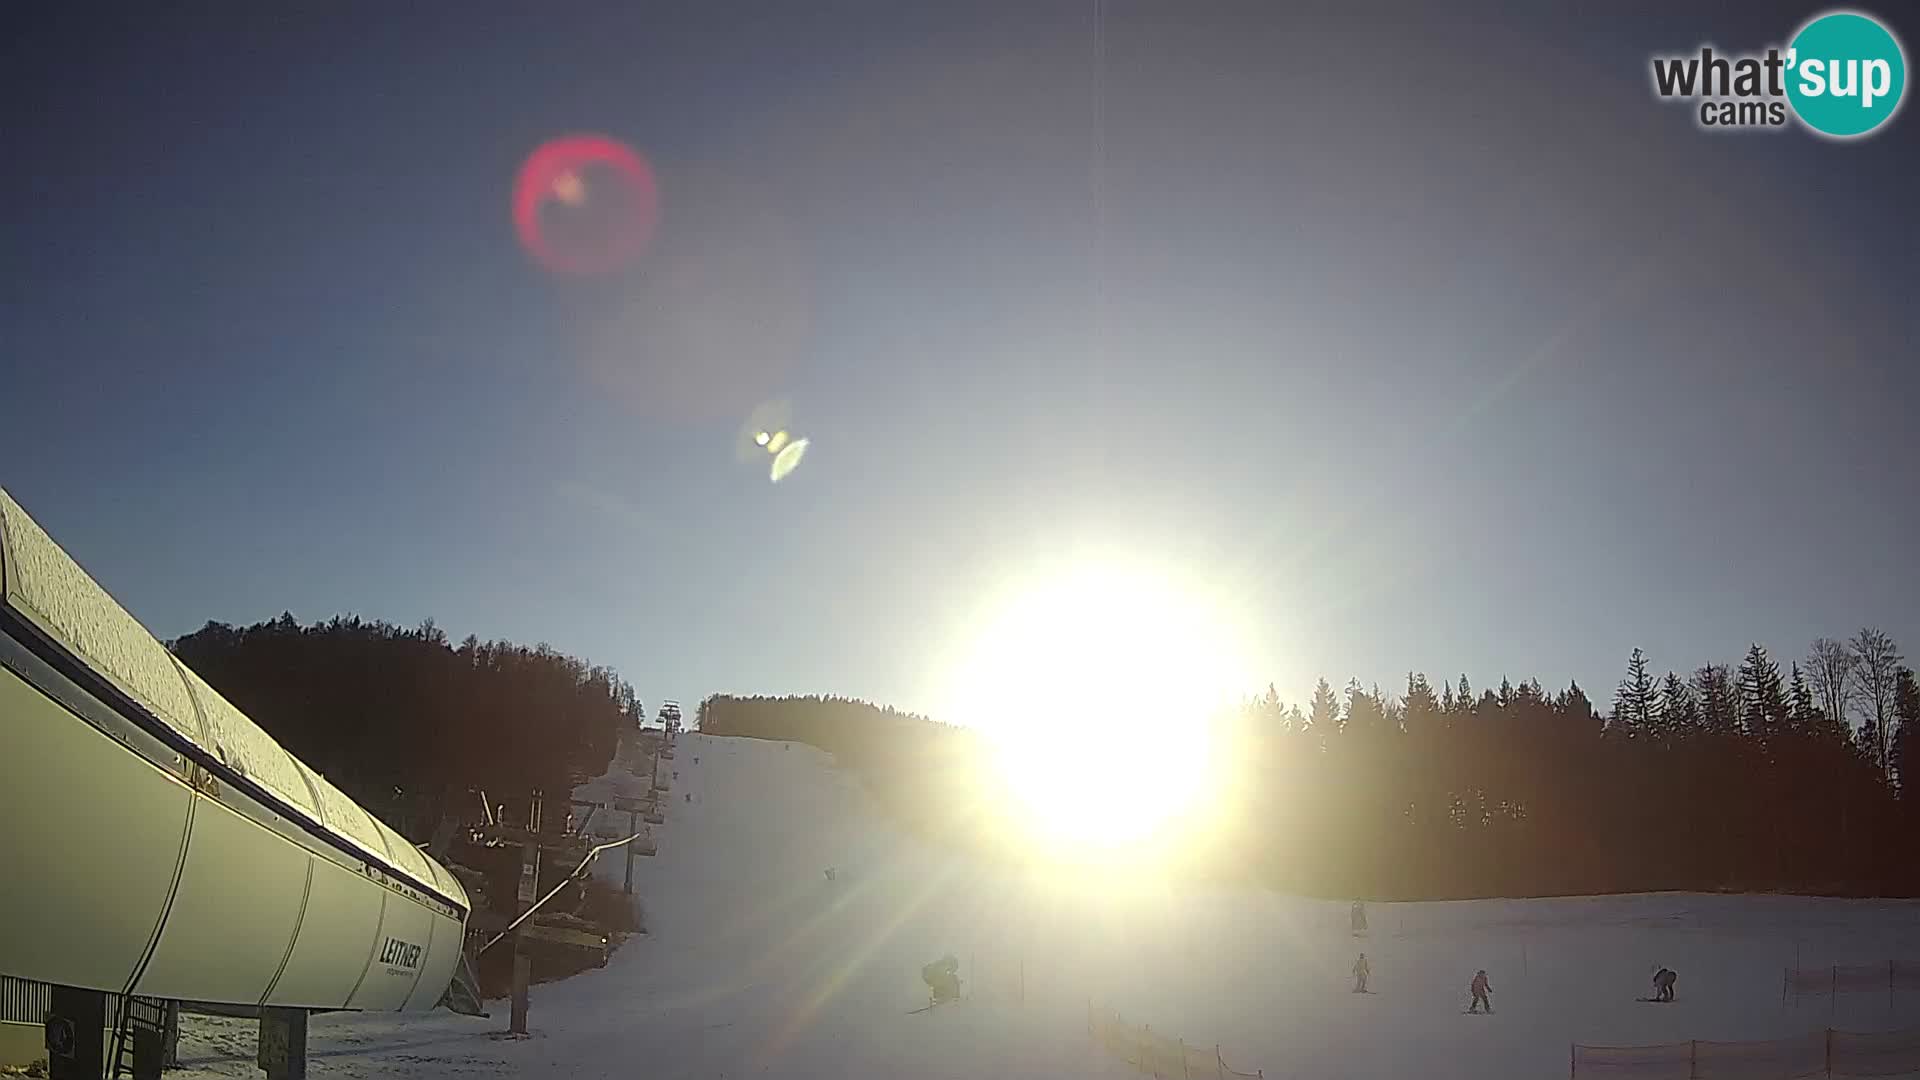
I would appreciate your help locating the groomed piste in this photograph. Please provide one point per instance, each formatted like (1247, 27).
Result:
(758, 964)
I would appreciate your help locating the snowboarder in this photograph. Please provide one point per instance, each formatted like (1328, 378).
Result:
(943, 979)
(1359, 916)
(1663, 981)
(1482, 992)
(1361, 969)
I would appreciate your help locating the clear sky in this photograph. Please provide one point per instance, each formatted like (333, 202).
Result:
(1429, 336)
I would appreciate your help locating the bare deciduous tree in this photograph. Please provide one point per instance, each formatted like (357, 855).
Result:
(1830, 674)
(1876, 674)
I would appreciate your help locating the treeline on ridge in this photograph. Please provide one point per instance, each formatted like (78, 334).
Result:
(1733, 778)
(410, 725)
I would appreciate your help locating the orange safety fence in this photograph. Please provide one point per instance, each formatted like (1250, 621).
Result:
(1770, 1059)
(1825, 1053)
(1661, 1061)
(1873, 1053)
(1164, 1057)
(1889, 977)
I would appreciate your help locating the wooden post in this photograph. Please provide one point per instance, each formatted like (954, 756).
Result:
(1829, 1054)
(1693, 1059)
(1182, 1043)
(1573, 1059)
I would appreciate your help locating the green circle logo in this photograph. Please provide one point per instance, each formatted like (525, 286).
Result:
(1846, 74)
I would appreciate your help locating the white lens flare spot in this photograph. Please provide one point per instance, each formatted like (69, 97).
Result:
(787, 460)
(569, 189)
(762, 439)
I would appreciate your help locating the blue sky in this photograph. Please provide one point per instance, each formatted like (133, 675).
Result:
(1435, 342)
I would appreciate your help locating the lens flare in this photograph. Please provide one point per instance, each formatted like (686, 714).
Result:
(787, 460)
(585, 204)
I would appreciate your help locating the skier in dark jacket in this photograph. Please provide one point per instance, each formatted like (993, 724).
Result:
(1482, 992)
(1663, 981)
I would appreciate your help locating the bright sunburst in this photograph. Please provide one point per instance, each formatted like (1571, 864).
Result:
(1096, 685)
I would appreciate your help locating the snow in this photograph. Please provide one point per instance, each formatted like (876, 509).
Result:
(758, 965)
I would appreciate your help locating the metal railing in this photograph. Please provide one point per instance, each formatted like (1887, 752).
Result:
(592, 854)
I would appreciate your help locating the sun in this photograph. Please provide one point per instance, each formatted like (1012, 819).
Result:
(1096, 686)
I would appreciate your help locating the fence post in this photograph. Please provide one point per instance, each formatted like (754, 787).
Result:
(1183, 1059)
(1829, 1053)
(1693, 1059)
(1833, 998)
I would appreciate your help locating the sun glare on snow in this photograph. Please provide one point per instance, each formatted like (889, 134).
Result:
(1097, 687)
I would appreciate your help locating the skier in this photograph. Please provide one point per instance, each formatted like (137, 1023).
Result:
(1663, 981)
(1482, 992)
(1361, 969)
(1359, 916)
(943, 979)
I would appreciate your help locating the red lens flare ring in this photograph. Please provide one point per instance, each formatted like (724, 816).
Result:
(553, 172)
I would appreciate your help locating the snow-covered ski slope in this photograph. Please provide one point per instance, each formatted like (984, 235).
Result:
(758, 965)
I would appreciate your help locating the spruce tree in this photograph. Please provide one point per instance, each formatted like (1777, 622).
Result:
(1713, 686)
(1678, 709)
(1633, 700)
(1802, 713)
(1906, 738)
(1323, 717)
(1763, 703)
